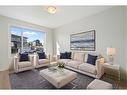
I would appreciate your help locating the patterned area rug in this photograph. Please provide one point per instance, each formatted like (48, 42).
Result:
(32, 80)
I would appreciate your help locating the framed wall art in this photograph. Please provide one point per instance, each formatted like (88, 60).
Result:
(84, 41)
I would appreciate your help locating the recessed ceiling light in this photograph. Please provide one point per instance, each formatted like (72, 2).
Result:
(51, 9)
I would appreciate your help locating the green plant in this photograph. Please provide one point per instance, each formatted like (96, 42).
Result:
(60, 64)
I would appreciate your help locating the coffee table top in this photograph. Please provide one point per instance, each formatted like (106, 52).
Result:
(58, 77)
(57, 73)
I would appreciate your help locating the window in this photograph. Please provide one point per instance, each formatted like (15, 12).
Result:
(26, 40)
(15, 39)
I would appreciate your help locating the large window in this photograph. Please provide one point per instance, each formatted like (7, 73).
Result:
(26, 40)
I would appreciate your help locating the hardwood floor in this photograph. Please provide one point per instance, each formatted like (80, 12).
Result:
(4, 80)
(123, 84)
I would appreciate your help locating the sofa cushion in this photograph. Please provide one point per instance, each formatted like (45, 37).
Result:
(41, 55)
(88, 68)
(74, 64)
(43, 61)
(79, 56)
(23, 57)
(91, 59)
(24, 64)
(63, 60)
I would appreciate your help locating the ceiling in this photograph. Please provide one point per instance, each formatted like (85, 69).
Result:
(39, 15)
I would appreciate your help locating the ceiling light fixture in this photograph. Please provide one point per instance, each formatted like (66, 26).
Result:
(51, 9)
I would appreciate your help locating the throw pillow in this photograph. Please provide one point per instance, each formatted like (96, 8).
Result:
(68, 55)
(41, 55)
(79, 56)
(91, 59)
(62, 55)
(23, 57)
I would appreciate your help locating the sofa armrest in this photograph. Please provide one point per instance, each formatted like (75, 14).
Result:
(36, 60)
(16, 60)
(31, 59)
(99, 67)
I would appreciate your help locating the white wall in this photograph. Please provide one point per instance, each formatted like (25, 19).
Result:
(5, 49)
(126, 40)
(110, 31)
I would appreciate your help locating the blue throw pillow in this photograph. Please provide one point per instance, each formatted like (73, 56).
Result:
(62, 55)
(91, 59)
(41, 55)
(68, 55)
(65, 55)
(23, 57)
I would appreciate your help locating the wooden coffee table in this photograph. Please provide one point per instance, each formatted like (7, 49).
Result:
(58, 77)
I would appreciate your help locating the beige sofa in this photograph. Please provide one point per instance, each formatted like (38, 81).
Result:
(24, 65)
(78, 63)
(41, 62)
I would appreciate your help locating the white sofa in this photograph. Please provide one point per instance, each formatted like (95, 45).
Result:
(41, 62)
(24, 65)
(78, 63)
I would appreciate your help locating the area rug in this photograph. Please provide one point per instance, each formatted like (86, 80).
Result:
(32, 80)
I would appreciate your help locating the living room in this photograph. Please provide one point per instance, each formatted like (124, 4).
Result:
(107, 23)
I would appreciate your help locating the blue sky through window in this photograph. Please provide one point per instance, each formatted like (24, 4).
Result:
(30, 34)
(16, 31)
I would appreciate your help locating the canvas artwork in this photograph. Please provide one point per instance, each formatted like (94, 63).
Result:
(84, 41)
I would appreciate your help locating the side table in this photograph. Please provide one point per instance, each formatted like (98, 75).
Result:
(112, 72)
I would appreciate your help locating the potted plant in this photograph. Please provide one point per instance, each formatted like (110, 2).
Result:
(60, 64)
